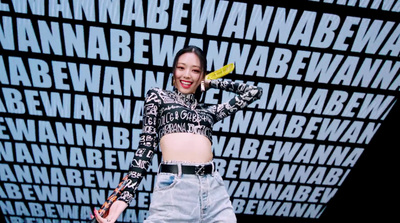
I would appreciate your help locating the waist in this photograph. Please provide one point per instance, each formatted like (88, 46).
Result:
(180, 168)
(186, 147)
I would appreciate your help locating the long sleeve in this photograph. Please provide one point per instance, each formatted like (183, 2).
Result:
(246, 95)
(147, 144)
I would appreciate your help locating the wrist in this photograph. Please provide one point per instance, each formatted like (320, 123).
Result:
(213, 83)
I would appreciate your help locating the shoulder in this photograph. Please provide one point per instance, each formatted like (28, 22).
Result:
(158, 95)
(154, 90)
(154, 95)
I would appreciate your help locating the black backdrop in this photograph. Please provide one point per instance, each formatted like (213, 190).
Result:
(327, 50)
(371, 193)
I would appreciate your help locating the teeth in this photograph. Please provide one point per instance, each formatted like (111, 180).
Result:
(186, 82)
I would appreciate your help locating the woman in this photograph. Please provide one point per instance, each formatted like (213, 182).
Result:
(188, 189)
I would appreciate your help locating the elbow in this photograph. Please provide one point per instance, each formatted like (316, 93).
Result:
(259, 92)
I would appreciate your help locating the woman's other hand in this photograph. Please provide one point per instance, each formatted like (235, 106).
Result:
(113, 214)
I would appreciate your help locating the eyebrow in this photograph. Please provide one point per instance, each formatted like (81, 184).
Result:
(185, 64)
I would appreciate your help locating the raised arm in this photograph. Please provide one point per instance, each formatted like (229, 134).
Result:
(246, 95)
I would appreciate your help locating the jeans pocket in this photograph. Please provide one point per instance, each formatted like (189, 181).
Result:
(165, 181)
(219, 179)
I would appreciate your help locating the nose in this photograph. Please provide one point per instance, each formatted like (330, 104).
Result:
(186, 73)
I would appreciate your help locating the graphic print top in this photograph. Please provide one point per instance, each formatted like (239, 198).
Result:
(167, 112)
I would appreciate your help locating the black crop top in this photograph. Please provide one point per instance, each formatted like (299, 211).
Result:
(167, 112)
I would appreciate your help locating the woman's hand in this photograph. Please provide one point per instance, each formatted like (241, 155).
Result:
(205, 85)
(115, 211)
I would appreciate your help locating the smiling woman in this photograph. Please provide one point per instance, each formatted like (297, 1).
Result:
(183, 129)
(189, 70)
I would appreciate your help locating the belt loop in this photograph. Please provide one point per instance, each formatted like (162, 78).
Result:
(159, 167)
(213, 168)
(179, 169)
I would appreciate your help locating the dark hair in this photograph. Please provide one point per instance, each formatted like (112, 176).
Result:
(192, 49)
(203, 63)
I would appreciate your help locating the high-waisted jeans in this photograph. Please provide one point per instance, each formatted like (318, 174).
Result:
(190, 198)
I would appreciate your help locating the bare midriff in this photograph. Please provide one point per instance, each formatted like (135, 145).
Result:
(186, 147)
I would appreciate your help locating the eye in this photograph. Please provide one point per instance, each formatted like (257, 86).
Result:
(196, 71)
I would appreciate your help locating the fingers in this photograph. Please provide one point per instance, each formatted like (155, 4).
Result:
(205, 85)
(98, 217)
(202, 86)
(101, 219)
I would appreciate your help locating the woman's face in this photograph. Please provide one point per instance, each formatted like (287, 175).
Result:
(188, 73)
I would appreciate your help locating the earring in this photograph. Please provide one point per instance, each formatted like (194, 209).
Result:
(202, 86)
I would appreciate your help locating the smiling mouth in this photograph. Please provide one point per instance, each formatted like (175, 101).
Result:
(186, 84)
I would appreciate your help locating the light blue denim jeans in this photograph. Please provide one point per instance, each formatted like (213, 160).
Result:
(190, 198)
